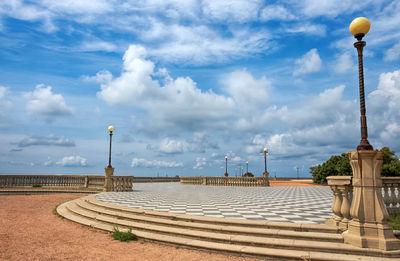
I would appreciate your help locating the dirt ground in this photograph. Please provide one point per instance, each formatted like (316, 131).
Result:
(29, 230)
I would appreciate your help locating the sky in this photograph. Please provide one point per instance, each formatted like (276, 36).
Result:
(186, 83)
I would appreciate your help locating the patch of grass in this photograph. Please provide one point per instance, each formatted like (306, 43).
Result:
(36, 185)
(394, 221)
(123, 236)
(174, 218)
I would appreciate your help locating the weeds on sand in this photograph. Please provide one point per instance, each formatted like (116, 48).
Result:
(123, 236)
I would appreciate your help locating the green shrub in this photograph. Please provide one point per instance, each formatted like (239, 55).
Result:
(123, 236)
(394, 221)
(36, 185)
(248, 174)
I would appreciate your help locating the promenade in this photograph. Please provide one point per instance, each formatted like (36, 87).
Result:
(281, 204)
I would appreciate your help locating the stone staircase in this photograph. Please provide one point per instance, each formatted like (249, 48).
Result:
(261, 239)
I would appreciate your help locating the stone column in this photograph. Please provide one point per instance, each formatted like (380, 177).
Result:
(266, 175)
(368, 227)
(107, 179)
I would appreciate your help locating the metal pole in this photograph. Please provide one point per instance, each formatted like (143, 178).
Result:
(226, 165)
(247, 167)
(364, 143)
(109, 155)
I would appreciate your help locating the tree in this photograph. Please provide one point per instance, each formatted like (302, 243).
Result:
(340, 166)
(391, 164)
(335, 166)
(248, 174)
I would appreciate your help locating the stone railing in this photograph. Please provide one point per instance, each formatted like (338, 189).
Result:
(226, 181)
(119, 183)
(155, 179)
(342, 189)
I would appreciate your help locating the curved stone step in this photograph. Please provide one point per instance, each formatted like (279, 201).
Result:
(89, 219)
(226, 229)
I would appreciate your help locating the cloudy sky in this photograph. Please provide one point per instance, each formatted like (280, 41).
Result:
(187, 82)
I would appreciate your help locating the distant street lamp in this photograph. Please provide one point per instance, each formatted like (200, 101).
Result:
(265, 160)
(226, 166)
(247, 167)
(110, 129)
(359, 27)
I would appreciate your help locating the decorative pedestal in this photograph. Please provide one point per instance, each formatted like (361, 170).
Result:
(266, 175)
(368, 227)
(226, 174)
(107, 180)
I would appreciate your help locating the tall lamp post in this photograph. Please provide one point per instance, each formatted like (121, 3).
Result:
(226, 166)
(359, 28)
(109, 170)
(110, 129)
(366, 218)
(247, 167)
(265, 174)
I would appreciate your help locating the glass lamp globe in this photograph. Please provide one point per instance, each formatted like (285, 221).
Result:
(111, 128)
(360, 26)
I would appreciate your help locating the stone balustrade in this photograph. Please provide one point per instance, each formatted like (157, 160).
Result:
(391, 194)
(226, 181)
(342, 189)
(155, 179)
(119, 183)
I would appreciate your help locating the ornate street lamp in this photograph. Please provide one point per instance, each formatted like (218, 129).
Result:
(359, 27)
(226, 166)
(265, 161)
(110, 129)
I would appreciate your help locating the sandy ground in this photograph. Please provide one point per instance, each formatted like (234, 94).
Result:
(29, 230)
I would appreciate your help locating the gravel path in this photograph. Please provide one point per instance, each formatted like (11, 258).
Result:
(29, 230)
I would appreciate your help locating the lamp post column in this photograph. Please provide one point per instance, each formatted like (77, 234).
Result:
(368, 227)
(226, 166)
(266, 174)
(108, 186)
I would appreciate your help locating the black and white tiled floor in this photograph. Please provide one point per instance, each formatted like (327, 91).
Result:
(282, 204)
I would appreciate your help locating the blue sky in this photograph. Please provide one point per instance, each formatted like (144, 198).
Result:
(187, 82)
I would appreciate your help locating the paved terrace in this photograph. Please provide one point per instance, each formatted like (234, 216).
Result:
(281, 204)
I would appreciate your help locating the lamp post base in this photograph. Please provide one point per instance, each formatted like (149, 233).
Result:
(107, 180)
(266, 175)
(368, 227)
(226, 174)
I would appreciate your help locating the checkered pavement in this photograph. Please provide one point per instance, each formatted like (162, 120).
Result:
(281, 204)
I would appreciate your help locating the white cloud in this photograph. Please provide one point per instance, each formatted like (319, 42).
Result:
(306, 28)
(308, 63)
(332, 8)
(94, 46)
(393, 53)
(200, 44)
(137, 162)
(344, 63)
(45, 105)
(72, 161)
(235, 10)
(384, 109)
(50, 140)
(248, 93)
(276, 12)
(179, 103)
(200, 163)
(173, 146)
(257, 144)
(5, 104)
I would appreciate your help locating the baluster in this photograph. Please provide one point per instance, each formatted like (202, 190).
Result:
(336, 207)
(345, 208)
